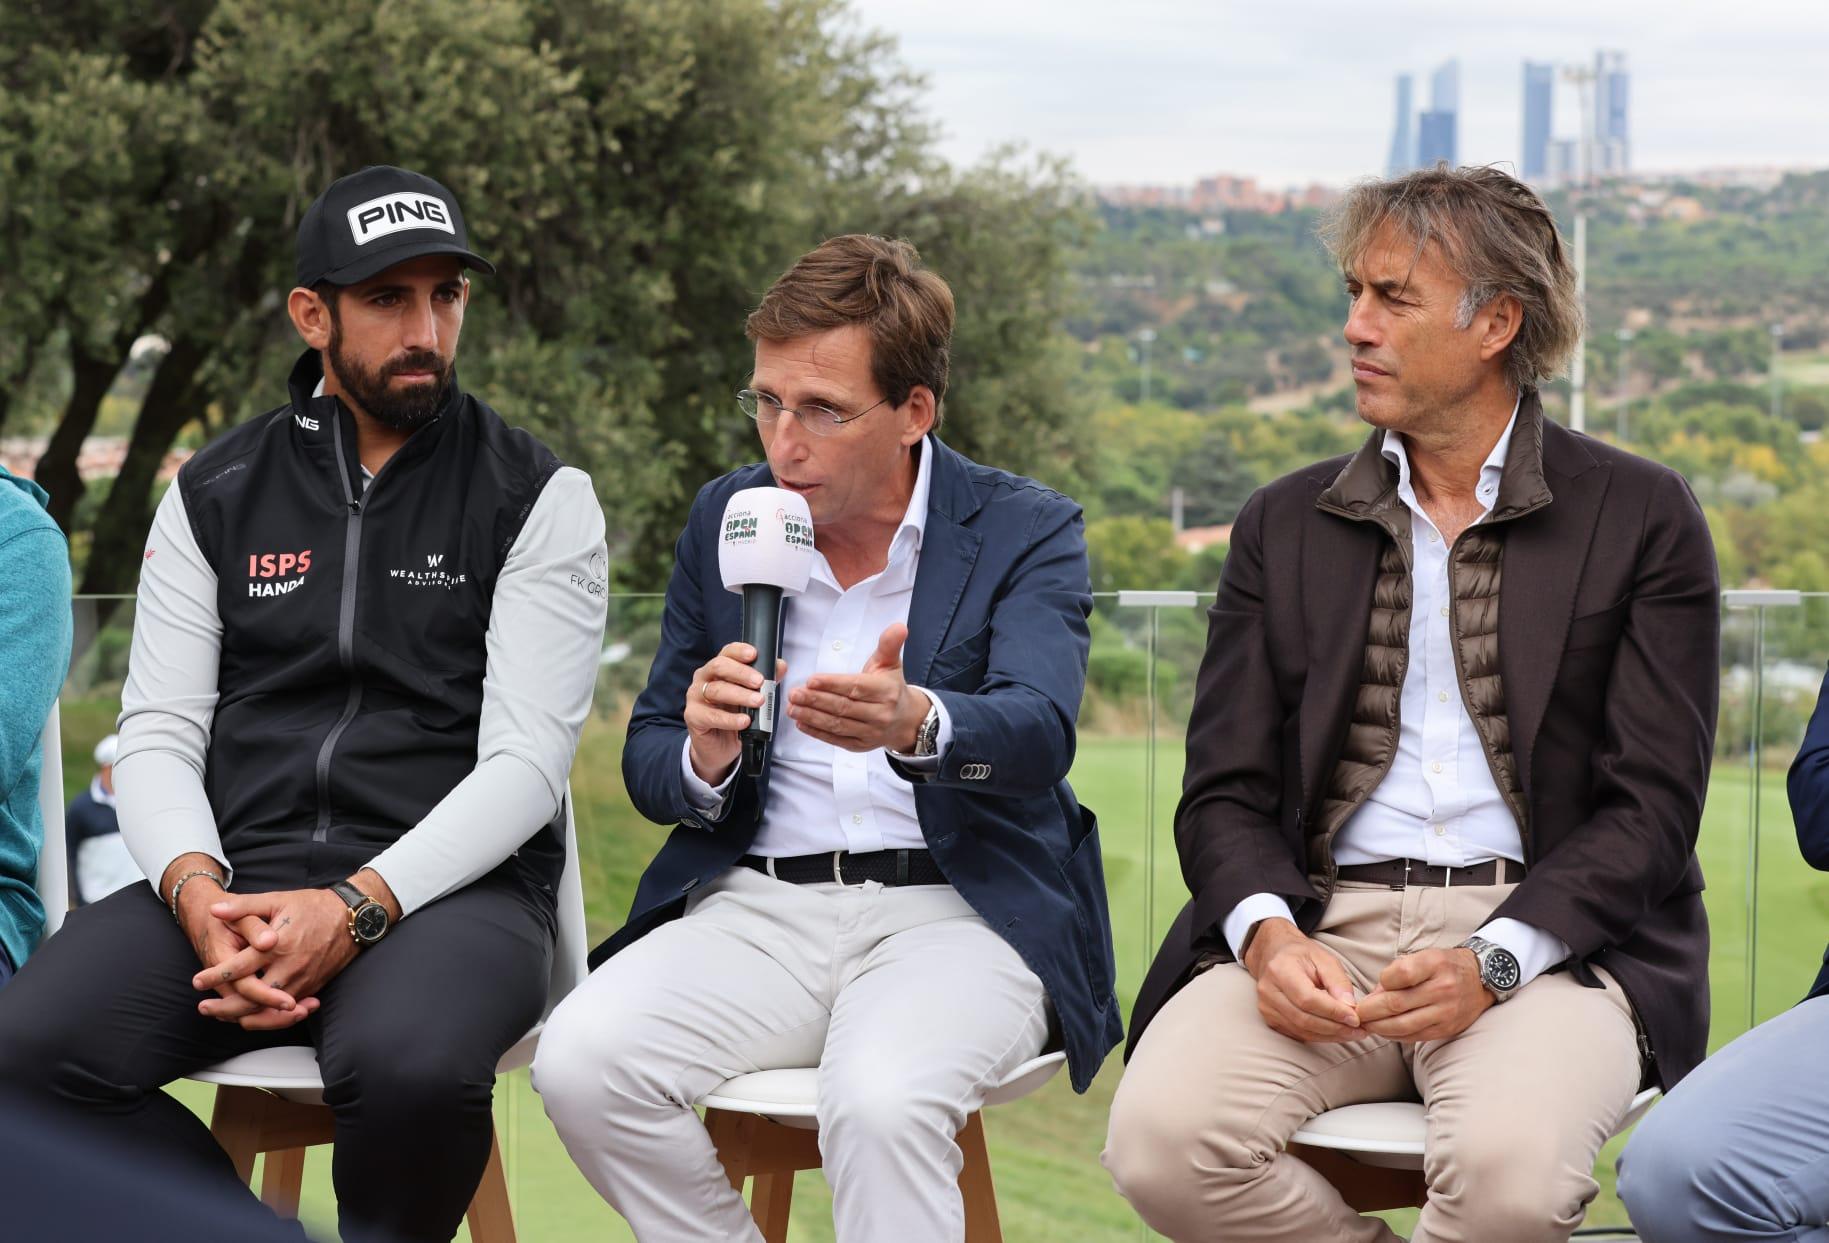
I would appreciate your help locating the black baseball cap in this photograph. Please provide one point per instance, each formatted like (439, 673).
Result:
(368, 221)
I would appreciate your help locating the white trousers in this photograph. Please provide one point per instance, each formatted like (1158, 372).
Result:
(908, 1002)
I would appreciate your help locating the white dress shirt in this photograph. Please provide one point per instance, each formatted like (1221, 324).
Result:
(1439, 802)
(821, 797)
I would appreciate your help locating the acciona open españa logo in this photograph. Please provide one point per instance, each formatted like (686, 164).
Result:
(799, 534)
(740, 527)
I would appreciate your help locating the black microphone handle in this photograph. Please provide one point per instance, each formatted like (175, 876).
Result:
(762, 631)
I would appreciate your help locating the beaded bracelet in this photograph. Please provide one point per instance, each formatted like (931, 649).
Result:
(186, 879)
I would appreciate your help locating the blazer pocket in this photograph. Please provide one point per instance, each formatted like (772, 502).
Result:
(962, 664)
(1596, 629)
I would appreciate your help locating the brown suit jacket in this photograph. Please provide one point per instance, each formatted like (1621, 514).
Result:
(1609, 649)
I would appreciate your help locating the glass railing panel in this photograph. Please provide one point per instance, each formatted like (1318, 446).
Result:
(1790, 923)
(1145, 656)
(1726, 842)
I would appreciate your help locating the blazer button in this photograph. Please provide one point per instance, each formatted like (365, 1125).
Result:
(690, 885)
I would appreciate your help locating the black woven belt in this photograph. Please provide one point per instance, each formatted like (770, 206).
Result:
(1401, 873)
(885, 867)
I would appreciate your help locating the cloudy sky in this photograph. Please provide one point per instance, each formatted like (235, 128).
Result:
(1293, 91)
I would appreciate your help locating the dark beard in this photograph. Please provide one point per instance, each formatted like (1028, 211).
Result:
(401, 411)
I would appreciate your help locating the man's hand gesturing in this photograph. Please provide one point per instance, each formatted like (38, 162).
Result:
(1303, 991)
(864, 711)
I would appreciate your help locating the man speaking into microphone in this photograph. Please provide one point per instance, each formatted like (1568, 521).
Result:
(905, 892)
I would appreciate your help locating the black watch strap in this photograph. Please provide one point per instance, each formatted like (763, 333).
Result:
(368, 919)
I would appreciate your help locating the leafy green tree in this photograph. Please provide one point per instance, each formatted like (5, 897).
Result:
(1131, 553)
(638, 171)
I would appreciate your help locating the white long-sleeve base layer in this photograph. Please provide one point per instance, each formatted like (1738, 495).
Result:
(544, 638)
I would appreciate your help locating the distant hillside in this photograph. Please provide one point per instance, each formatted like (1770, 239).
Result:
(1245, 306)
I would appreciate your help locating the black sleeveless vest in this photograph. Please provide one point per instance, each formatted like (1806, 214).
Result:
(353, 625)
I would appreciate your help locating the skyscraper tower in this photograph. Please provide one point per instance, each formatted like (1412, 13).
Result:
(1437, 137)
(1403, 134)
(1539, 94)
(1612, 82)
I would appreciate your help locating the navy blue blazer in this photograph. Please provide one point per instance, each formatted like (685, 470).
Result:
(997, 629)
(1808, 785)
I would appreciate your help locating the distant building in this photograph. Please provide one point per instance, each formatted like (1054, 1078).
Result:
(1219, 193)
(1539, 96)
(1438, 129)
(1445, 87)
(1403, 133)
(1612, 92)
(1564, 163)
(1196, 540)
(1436, 139)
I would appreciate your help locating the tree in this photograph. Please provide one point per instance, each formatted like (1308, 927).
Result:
(1213, 479)
(637, 171)
(1134, 554)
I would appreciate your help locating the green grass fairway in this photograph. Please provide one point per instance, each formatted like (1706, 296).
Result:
(1045, 1149)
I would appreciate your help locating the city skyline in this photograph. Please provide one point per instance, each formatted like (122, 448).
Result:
(1302, 93)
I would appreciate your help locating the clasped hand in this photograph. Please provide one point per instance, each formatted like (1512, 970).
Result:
(266, 955)
(1304, 992)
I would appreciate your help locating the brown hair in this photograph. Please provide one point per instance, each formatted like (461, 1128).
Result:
(879, 284)
(1495, 233)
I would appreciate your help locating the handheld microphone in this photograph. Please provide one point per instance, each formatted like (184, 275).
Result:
(765, 551)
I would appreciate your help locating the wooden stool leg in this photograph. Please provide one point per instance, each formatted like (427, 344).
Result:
(491, 1217)
(730, 1135)
(282, 1180)
(770, 1202)
(236, 1125)
(981, 1224)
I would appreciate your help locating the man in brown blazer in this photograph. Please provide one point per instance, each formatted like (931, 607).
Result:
(1445, 770)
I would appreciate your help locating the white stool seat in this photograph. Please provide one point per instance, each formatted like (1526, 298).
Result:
(791, 1097)
(1391, 1133)
(291, 1071)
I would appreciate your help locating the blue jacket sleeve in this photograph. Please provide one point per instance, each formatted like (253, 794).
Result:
(35, 631)
(1020, 720)
(657, 728)
(1808, 785)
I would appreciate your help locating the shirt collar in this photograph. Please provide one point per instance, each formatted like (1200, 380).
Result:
(100, 793)
(914, 519)
(1490, 469)
(367, 475)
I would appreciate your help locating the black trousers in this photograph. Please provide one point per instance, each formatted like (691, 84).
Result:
(408, 1036)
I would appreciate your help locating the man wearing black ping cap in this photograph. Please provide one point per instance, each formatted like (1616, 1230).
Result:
(367, 633)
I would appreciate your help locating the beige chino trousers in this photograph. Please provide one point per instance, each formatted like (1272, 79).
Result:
(1518, 1105)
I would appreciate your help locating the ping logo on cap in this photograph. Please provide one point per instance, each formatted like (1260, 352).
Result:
(406, 209)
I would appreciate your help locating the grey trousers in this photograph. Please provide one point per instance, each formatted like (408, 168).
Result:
(1740, 1149)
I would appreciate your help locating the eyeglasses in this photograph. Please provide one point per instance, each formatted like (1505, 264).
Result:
(816, 416)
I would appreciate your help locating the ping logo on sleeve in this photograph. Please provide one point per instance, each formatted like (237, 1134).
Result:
(270, 573)
(406, 209)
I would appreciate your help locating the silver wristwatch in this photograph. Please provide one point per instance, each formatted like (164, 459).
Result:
(1499, 970)
(927, 738)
